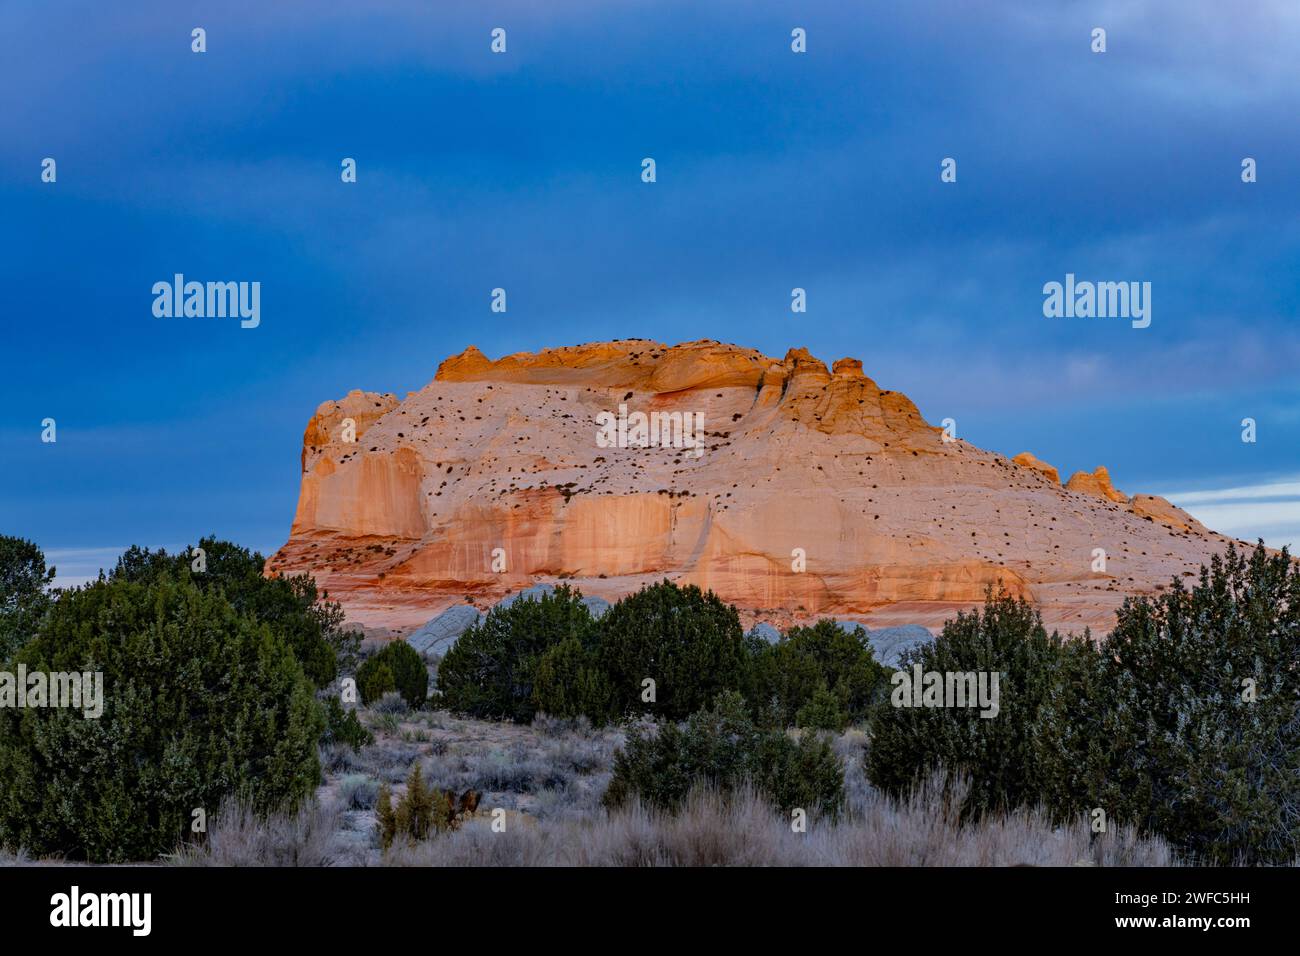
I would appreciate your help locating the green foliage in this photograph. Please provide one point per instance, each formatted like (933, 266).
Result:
(25, 584)
(415, 811)
(420, 813)
(824, 711)
(312, 625)
(1184, 721)
(1187, 721)
(397, 666)
(721, 747)
(570, 683)
(492, 669)
(199, 703)
(343, 727)
(374, 680)
(798, 773)
(998, 754)
(549, 655)
(688, 642)
(784, 678)
(385, 817)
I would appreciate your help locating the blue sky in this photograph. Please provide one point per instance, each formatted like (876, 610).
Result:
(522, 170)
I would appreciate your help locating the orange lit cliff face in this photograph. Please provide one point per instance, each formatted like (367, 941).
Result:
(811, 491)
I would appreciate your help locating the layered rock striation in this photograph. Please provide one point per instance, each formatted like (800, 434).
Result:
(814, 493)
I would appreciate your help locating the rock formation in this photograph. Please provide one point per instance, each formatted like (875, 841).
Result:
(814, 492)
(1155, 508)
(438, 635)
(891, 643)
(1026, 460)
(1095, 483)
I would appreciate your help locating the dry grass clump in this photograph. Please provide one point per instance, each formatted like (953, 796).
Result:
(239, 837)
(545, 782)
(741, 829)
(23, 858)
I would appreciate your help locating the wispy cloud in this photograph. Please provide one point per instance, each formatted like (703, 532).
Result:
(1268, 510)
(1278, 490)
